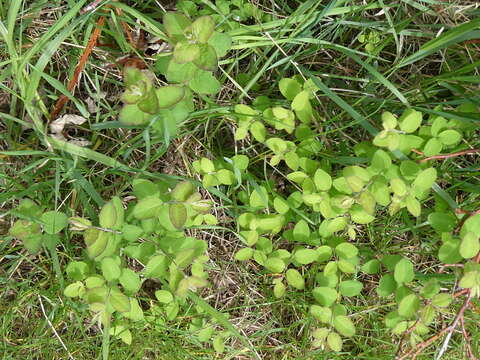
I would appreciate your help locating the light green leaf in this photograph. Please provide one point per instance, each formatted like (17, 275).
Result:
(344, 325)
(409, 305)
(54, 222)
(350, 288)
(130, 281)
(410, 120)
(295, 279)
(110, 269)
(169, 95)
(325, 296)
(334, 342)
(470, 245)
(404, 272)
(305, 256)
(148, 207)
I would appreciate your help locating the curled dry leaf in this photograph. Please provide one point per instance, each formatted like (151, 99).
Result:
(57, 126)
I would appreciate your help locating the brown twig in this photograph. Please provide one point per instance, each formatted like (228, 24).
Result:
(470, 354)
(448, 156)
(81, 64)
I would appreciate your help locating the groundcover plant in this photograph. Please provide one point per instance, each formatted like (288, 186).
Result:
(239, 180)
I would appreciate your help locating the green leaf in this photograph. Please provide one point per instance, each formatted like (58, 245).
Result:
(185, 52)
(305, 256)
(334, 342)
(110, 269)
(442, 222)
(54, 222)
(321, 313)
(221, 42)
(169, 95)
(175, 25)
(164, 296)
(156, 267)
(275, 264)
(322, 180)
(325, 296)
(143, 188)
(301, 231)
(450, 137)
(442, 300)
(386, 286)
(403, 272)
(148, 207)
(295, 279)
(301, 102)
(344, 325)
(371, 267)
(432, 147)
(218, 344)
(350, 288)
(180, 73)
(207, 58)
(258, 131)
(449, 252)
(202, 28)
(359, 215)
(413, 205)
(75, 289)
(289, 88)
(244, 254)
(77, 270)
(130, 281)
(425, 180)
(279, 290)
(204, 83)
(178, 214)
(409, 305)
(410, 120)
(346, 250)
(470, 245)
(119, 301)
